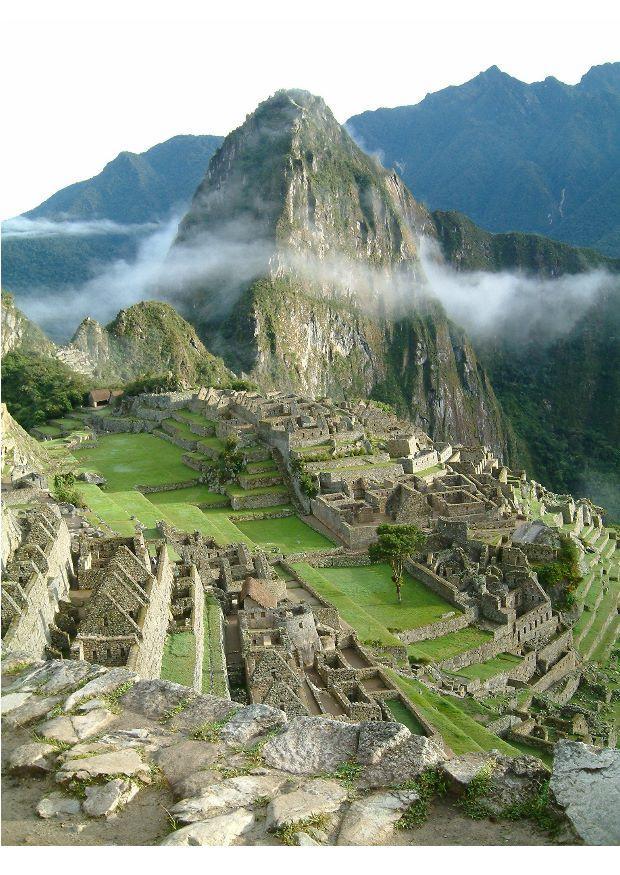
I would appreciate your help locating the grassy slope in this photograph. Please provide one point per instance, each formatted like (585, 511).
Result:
(371, 587)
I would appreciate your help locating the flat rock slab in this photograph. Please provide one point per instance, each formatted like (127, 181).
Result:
(68, 673)
(203, 709)
(33, 709)
(179, 761)
(11, 701)
(586, 783)
(377, 737)
(371, 820)
(127, 762)
(226, 795)
(78, 728)
(218, 832)
(32, 759)
(196, 784)
(99, 686)
(104, 800)
(156, 699)
(58, 805)
(404, 762)
(312, 744)
(250, 722)
(460, 771)
(312, 798)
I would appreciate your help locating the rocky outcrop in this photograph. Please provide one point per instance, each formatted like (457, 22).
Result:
(225, 773)
(586, 783)
(19, 333)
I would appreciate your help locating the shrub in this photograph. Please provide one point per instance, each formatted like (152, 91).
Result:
(152, 384)
(36, 388)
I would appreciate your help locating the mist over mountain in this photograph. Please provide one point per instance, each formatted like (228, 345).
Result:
(542, 158)
(77, 232)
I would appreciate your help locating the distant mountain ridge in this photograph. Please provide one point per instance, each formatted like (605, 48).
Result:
(133, 190)
(541, 158)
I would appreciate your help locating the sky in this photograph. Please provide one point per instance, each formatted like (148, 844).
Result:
(84, 81)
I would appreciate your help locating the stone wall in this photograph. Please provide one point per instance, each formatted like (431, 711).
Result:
(550, 653)
(434, 630)
(11, 534)
(437, 584)
(477, 654)
(145, 658)
(263, 499)
(562, 667)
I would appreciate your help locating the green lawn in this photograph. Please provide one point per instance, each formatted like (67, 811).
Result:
(371, 587)
(289, 534)
(197, 495)
(126, 460)
(136, 504)
(105, 508)
(369, 629)
(218, 525)
(213, 666)
(449, 645)
(404, 715)
(488, 669)
(179, 659)
(460, 731)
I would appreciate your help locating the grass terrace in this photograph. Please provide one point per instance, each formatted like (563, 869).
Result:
(128, 460)
(448, 646)
(197, 495)
(288, 534)
(370, 630)
(197, 418)
(460, 731)
(405, 716)
(179, 659)
(485, 670)
(213, 667)
(371, 587)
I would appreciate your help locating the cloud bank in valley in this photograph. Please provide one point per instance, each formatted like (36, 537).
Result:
(503, 305)
(511, 305)
(23, 227)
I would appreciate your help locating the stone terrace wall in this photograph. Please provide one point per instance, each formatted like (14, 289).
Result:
(145, 658)
(435, 630)
(437, 584)
(558, 671)
(550, 653)
(477, 654)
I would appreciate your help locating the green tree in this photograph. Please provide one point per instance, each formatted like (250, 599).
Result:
(37, 388)
(395, 545)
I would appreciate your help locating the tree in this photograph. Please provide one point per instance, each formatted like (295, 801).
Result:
(37, 388)
(395, 545)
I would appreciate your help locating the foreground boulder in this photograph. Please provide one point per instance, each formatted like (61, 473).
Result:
(371, 820)
(312, 744)
(586, 783)
(218, 831)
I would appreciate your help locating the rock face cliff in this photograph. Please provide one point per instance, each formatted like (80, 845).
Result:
(19, 333)
(298, 262)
